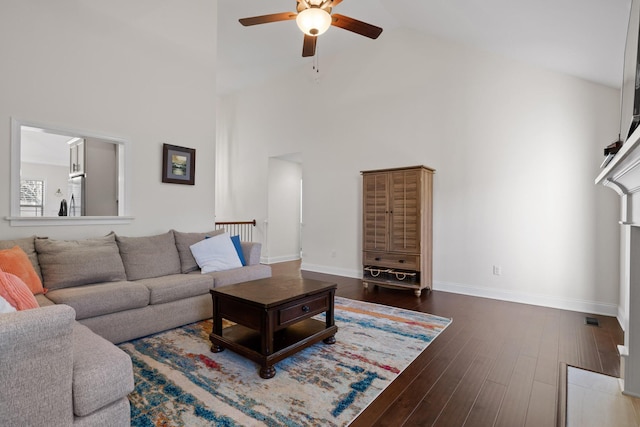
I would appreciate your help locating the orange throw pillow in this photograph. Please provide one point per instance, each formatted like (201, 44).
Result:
(16, 292)
(16, 261)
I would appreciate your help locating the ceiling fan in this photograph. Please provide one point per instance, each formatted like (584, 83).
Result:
(314, 18)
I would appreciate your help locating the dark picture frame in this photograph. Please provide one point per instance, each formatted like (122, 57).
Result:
(178, 164)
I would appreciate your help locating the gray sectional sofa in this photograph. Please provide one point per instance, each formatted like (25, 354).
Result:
(59, 362)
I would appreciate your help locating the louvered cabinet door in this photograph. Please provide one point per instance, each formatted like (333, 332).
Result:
(375, 212)
(405, 198)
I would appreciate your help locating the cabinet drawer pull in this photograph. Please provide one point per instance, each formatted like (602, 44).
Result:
(305, 308)
(377, 258)
(401, 261)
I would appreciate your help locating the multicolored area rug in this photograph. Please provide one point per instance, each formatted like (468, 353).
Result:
(179, 382)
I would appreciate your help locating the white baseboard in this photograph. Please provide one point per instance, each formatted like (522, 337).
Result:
(275, 259)
(570, 304)
(622, 318)
(344, 272)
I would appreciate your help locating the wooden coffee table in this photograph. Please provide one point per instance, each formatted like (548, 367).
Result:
(273, 318)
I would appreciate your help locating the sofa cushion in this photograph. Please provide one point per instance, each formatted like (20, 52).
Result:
(43, 301)
(149, 256)
(16, 292)
(102, 373)
(216, 254)
(176, 286)
(68, 263)
(238, 275)
(28, 246)
(16, 261)
(103, 298)
(183, 243)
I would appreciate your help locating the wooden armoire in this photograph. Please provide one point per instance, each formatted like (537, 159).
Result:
(397, 229)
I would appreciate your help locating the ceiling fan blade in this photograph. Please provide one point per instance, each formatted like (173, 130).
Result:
(356, 26)
(309, 45)
(265, 19)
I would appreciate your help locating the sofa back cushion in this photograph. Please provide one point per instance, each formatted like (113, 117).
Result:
(149, 256)
(66, 263)
(28, 246)
(183, 243)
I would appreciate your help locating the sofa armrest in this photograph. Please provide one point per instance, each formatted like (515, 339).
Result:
(36, 372)
(251, 252)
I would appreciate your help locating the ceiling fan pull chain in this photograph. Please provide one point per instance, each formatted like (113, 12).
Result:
(316, 67)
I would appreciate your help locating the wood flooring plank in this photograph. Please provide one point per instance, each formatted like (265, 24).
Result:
(568, 343)
(516, 402)
(506, 361)
(547, 371)
(587, 350)
(406, 402)
(610, 362)
(434, 402)
(429, 359)
(533, 330)
(459, 405)
(485, 409)
(542, 406)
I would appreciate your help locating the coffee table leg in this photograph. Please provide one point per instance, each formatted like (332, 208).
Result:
(217, 327)
(267, 372)
(330, 340)
(330, 320)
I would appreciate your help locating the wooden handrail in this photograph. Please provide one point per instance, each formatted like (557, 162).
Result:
(244, 229)
(236, 222)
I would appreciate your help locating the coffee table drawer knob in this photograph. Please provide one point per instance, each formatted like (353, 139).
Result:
(305, 308)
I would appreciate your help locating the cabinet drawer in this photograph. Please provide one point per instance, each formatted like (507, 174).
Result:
(303, 309)
(403, 261)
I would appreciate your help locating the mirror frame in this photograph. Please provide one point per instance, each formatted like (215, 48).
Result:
(124, 177)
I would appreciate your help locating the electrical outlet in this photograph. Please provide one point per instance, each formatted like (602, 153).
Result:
(497, 270)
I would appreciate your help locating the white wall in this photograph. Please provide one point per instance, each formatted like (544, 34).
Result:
(283, 204)
(516, 150)
(141, 70)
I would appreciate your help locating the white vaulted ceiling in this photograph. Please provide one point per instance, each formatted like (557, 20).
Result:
(584, 38)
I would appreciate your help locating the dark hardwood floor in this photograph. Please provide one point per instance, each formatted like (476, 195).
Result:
(497, 364)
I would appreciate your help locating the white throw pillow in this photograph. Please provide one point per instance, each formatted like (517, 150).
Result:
(216, 253)
(5, 307)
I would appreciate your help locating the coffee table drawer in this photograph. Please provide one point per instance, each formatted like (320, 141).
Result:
(303, 309)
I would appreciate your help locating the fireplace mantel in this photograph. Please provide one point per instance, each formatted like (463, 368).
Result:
(622, 175)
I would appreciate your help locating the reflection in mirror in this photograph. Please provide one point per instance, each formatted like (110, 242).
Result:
(64, 173)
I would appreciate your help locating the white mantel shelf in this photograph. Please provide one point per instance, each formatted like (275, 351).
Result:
(622, 175)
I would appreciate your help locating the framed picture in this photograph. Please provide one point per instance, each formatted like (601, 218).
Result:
(178, 164)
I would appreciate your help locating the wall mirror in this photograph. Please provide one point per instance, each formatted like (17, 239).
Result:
(63, 176)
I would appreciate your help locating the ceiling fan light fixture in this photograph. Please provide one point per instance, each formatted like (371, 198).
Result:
(313, 21)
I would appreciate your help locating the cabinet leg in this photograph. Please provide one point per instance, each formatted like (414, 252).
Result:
(365, 285)
(418, 292)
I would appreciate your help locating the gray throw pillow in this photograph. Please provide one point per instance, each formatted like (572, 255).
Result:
(149, 256)
(183, 243)
(67, 263)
